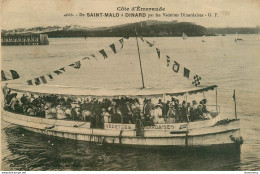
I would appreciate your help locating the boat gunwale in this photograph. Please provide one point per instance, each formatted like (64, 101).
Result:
(138, 137)
(53, 130)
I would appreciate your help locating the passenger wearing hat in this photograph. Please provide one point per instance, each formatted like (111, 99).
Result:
(171, 115)
(205, 112)
(102, 118)
(60, 113)
(165, 109)
(48, 113)
(53, 111)
(13, 101)
(183, 111)
(106, 117)
(204, 106)
(199, 111)
(188, 108)
(193, 110)
(86, 115)
(157, 113)
(75, 112)
(30, 111)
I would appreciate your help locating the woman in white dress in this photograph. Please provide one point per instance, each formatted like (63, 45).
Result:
(60, 113)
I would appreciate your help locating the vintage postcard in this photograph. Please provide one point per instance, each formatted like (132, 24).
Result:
(168, 85)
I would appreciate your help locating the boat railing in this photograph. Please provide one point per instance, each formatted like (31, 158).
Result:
(214, 109)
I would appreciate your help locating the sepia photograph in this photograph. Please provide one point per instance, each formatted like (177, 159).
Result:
(151, 85)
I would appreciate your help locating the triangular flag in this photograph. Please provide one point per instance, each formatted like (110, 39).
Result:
(29, 82)
(50, 76)
(168, 60)
(84, 58)
(37, 81)
(176, 66)
(77, 65)
(43, 79)
(57, 72)
(158, 52)
(103, 53)
(62, 69)
(122, 42)
(113, 47)
(186, 72)
(15, 75)
(3, 77)
(149, 43)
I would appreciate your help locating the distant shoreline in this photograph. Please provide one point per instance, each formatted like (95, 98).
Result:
(150, 28)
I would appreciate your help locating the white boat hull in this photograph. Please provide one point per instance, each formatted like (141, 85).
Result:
(153, 136)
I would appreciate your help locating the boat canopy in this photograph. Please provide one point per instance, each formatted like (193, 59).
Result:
(106, 93)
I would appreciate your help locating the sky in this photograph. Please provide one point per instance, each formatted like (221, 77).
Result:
(33, 13)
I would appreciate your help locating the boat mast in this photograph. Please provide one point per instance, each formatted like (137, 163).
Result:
(217, 100)
(139, 57)
(234, 97)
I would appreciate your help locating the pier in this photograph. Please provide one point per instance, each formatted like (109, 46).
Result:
(24, 39)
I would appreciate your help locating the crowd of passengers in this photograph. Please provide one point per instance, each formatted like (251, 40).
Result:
(99, 111)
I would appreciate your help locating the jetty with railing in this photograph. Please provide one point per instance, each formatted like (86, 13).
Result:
(24, 39)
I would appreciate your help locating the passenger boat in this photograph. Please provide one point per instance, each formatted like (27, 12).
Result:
(216, 131)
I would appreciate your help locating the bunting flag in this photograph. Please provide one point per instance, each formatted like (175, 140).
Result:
(158, 52)
(196, 80)
(76, 65)
(29, 82)
(113, 47)
(150, 44)
(5, 75)
(168, 60)
(104, 54)
(141, 38)
(85, 58)
(50, 76)
(62, 69)
(186, 73)
(43, 79)
(176, 66)
(57, 72)
(37, 81)
(122, 42)
(15, 75)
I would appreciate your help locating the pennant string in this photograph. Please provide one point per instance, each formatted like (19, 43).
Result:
(176, 66)
(76, 65)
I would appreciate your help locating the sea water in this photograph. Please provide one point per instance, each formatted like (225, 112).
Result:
(219, 60)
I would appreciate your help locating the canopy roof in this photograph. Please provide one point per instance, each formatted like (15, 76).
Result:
(101, 92)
